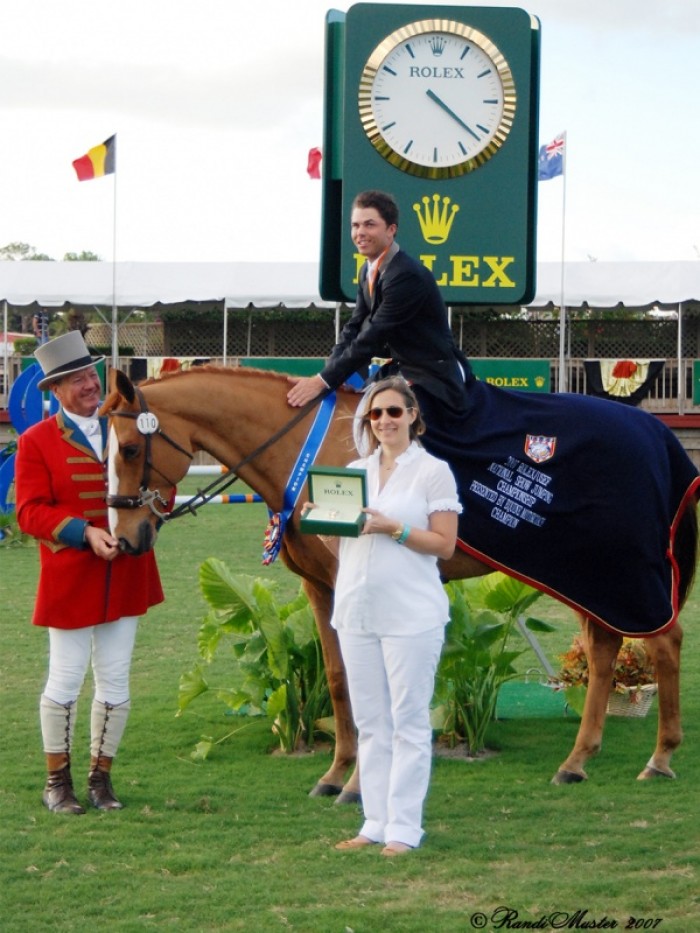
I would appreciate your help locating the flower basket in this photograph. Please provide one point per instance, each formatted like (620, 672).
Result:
(634, 679)
(631, 701)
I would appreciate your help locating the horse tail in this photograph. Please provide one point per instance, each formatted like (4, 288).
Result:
(685, 549)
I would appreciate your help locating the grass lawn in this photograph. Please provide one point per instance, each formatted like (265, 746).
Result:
(235, 843)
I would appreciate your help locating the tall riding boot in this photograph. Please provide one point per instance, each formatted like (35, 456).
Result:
(57, 722)
(107, 727)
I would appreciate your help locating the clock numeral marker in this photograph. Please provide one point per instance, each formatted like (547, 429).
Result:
(410, 50)
(435, 154)
(464, 151)
(482, 128)
(490, 102)
(381, 98)
(465, 53)
(410, 143)
(388, 70)
(388, 126)
(484, 73)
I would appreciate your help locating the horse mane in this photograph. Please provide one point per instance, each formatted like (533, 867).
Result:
(227, 371)
(248, 372)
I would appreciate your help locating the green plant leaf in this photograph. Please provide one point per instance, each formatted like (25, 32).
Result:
(506, 594)
(235, 699)
(202, 749)
(208, 636)
(268, 621)
(224, 590)
(575, 698)
(192, 684)
(539, 625)
(302, 626)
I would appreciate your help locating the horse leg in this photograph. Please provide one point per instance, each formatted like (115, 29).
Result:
(332, 783)
(665, 652)
(601, 648)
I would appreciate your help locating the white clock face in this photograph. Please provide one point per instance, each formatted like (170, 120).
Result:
(437, 99)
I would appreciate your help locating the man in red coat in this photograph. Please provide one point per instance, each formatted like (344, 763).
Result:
(90, 595)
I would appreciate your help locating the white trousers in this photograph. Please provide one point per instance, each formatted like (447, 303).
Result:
(391, 679)
(109, 646)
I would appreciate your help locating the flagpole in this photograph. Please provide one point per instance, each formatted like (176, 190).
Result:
(5, 357)
(115, 320)
(563, 375)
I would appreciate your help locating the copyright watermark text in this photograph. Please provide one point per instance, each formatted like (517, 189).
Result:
(507, 918)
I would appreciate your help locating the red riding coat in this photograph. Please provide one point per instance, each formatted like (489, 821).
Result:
(60, 489)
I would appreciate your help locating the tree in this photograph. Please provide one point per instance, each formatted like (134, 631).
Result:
(84, 256)
(19, 252)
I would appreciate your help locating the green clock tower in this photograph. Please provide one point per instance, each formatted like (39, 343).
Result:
(437, 105)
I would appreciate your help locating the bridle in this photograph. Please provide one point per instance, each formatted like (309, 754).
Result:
(149, 426)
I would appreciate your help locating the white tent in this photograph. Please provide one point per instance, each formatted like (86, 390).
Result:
(242, 284)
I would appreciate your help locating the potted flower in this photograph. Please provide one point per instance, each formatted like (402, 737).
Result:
(633, 684)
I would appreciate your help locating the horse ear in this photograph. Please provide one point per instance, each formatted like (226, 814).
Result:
(121, 383)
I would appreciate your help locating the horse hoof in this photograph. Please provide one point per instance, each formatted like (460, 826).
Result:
(650, 772)
(348, 796)
(325, 790)
(569, 777)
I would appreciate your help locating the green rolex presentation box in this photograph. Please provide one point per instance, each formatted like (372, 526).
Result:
(339, 494)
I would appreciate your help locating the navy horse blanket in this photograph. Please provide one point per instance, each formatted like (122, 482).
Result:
(579, 497)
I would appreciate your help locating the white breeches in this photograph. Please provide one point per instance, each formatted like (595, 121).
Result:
(391, 681)
(109, 646)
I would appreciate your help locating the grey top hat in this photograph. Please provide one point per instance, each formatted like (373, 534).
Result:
(63, 355)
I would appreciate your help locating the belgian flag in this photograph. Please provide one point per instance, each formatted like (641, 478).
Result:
(98, 161)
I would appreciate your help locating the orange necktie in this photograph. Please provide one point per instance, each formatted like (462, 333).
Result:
(375, 272)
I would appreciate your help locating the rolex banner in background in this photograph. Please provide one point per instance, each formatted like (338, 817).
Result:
(627, 381)
(523, 375)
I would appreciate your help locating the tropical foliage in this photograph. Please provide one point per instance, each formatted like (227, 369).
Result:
(272, 661)
(477, 659)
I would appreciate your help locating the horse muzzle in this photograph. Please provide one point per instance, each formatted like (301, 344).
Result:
(145, 539)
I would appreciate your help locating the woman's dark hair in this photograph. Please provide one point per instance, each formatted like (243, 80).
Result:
(383, 203)
(397, 384)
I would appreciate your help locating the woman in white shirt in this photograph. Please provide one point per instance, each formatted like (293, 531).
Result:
(390, 612)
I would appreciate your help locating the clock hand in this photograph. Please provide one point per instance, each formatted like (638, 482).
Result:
(433, 96)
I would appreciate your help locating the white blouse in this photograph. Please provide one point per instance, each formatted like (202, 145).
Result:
(383, 587)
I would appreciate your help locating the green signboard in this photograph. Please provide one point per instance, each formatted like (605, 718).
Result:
(696, 382)
(437, 105)
(524, 375)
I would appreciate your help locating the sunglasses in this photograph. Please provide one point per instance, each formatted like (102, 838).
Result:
(393, 411)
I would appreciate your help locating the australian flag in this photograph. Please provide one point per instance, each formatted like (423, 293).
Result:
(551, 158)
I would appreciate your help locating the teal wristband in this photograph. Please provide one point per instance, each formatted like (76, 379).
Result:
(402, 538)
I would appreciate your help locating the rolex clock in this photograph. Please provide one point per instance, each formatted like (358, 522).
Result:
(437, 105)
(437, 98)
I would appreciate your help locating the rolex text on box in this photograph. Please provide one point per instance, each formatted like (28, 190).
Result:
(339, 495)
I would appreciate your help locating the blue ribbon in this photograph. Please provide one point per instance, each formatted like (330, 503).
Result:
(278, 520)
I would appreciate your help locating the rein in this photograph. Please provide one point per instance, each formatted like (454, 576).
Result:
(151, 497)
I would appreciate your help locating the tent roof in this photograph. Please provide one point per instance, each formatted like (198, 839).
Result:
(295, 284)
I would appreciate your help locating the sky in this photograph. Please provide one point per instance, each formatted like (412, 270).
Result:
(216, 104)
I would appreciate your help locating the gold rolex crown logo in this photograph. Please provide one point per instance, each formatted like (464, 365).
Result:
(539, 381)
(436, 220)
(437, 44)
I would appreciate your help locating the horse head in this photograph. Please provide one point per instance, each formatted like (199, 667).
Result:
(148, 454)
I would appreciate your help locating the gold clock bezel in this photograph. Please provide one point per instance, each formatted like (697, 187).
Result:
(374, 63)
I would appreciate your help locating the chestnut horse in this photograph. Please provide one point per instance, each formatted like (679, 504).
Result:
(230, 414)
